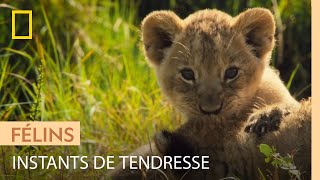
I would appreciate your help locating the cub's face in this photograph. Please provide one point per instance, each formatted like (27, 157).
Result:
(209, 63)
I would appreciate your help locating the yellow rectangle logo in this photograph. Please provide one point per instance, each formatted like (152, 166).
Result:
(27, 12)
(40, 133)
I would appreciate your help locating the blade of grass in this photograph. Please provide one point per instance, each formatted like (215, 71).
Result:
(53, 42)
(293, 75)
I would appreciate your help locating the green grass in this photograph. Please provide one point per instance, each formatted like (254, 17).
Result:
(97, 76)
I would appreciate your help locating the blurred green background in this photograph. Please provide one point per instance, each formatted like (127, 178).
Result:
(95, 72)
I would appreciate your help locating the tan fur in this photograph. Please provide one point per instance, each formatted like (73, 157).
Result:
(237, 151)
(240, 152)
(209, 42)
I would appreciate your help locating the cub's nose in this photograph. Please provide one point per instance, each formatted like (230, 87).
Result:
(211, 98)
(212, 108)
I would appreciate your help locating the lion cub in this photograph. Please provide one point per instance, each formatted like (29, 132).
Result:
(212, 65)
(215, 70)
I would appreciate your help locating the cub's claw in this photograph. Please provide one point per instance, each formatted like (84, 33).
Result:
(264, 121)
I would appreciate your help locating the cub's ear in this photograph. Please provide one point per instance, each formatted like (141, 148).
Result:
(258, 27)
(159, 29)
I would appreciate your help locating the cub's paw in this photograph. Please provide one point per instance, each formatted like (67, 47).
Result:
(173, 144)
(266, 120)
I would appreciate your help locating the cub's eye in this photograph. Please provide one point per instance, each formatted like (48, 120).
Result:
(231, 73)
(187, 74)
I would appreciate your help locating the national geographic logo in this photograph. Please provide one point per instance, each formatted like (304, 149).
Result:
(24, 12)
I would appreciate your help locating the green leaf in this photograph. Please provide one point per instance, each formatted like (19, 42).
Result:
(265, 149)
(287, 159)
(277, 162)
(267, 160)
